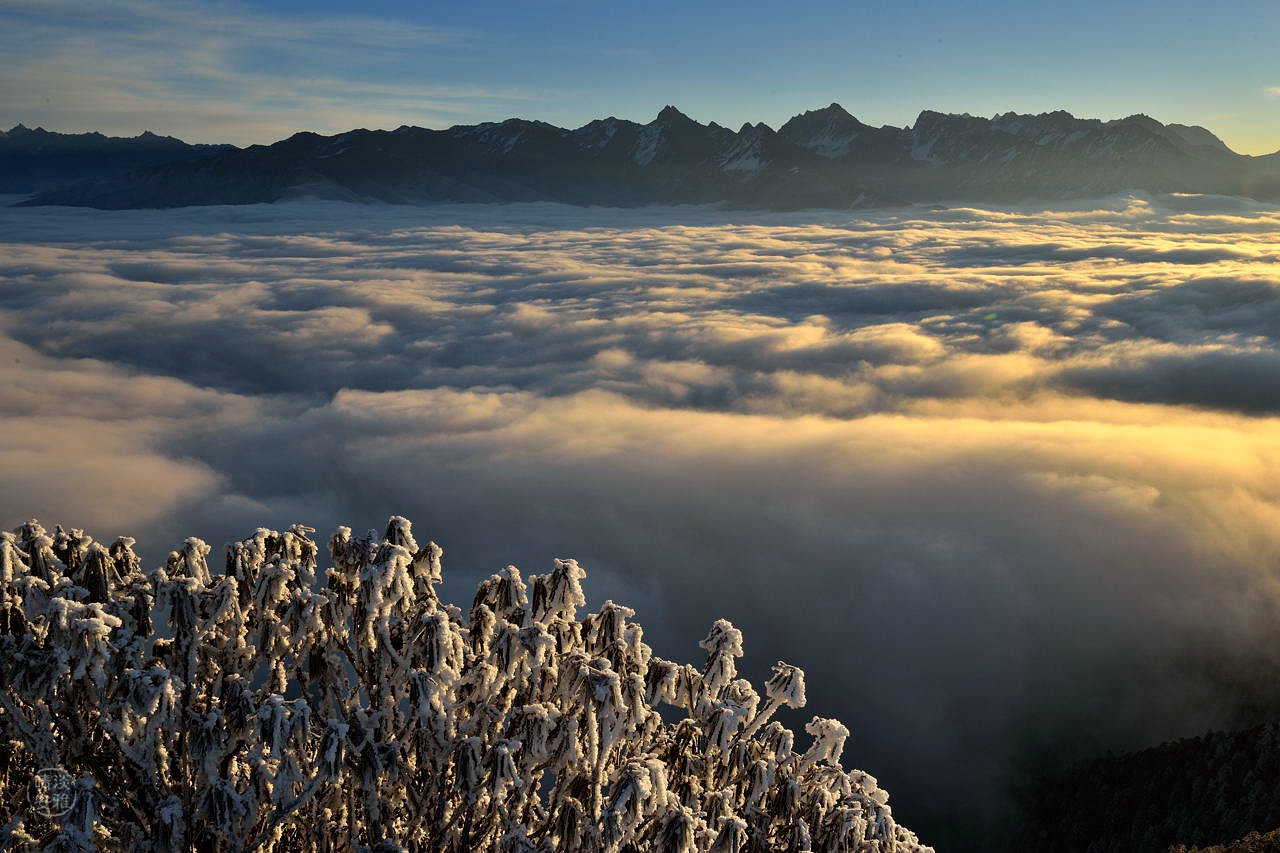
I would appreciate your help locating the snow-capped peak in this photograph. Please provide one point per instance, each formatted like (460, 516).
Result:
(827, 132)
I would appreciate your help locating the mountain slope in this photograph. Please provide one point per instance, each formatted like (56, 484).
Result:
(822, 158)
(1202, 791)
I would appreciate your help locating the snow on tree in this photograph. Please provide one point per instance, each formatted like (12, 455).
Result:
(277, 707)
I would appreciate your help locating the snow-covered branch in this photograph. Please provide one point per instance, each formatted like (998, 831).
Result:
(275, 706)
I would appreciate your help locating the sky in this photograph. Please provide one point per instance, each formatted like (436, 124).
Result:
(254, 72)
(1004, 483)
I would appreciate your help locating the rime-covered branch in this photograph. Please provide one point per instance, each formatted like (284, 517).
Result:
(275, 706)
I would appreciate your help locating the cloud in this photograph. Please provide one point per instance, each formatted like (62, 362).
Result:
(84, 440)
(1006, 483)
(252, 77)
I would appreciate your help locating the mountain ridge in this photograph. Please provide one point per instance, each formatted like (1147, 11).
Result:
(819, 158)
(33, 159)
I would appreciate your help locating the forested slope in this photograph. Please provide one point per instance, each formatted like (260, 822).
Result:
(1208, 790)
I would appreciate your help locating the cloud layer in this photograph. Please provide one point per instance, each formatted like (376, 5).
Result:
(1007, 484)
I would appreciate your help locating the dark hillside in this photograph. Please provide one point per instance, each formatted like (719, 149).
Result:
(1208, 790)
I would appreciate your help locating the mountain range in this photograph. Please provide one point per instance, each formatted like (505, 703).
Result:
(37, 160)
(821, 158)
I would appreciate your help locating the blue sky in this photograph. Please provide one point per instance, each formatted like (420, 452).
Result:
(256, 71)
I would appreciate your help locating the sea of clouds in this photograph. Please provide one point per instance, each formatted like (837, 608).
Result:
(1005, 483)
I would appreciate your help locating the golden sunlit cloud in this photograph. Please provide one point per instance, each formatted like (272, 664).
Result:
(1015, 461)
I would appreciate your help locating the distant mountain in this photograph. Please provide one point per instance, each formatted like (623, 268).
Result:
(34, 160)
(822, 158)
(1197, 792)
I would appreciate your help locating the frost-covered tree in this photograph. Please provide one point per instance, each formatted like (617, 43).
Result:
(273, 706)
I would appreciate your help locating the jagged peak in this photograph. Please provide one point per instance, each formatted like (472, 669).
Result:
(929, 119)
(833, 115)
(602, 122)
(827, 132)
(832, 110)
(670, 114)
(508, 124)
(1044, 126)
(529, 122)
(21, 128)
(934, 115)
(1056, 115)
(600, 132)
(306, 136)
(1138, 120)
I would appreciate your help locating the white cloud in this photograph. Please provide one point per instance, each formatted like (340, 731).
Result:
(1021, 469)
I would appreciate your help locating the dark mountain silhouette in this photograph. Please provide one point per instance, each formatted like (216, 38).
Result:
(34, 160)
(1210, 790)
(823, 158)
